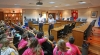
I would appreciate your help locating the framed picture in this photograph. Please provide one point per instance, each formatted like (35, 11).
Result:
(94, 14)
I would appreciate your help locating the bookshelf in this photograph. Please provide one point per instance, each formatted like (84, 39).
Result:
(13, 17)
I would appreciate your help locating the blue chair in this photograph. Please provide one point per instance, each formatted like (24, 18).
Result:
(67, 19)
(71, 19)
(84, 20)
(54, 21)
(78, 19)
(44, 20)
(62, 18)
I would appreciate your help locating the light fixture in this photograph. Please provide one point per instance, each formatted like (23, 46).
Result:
(56, 6)
(67, 4)
(51, 2)
(39, 3)
(81, 2)
(16, 4)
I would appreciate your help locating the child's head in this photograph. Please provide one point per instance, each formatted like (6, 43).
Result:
(3, 36)
(51, 37)
(40, 35)
(71, 40)
(25, 36)
(4, 42)
(34, 44)
(61, 45)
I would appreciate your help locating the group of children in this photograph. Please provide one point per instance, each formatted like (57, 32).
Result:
(35, 44)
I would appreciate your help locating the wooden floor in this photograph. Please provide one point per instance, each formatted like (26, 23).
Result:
(94, 46)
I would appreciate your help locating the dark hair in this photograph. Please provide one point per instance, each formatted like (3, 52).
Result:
(31, 28)
(51, 37)
(25, 35)
(34, 44)
(71, 40)
(40, 34)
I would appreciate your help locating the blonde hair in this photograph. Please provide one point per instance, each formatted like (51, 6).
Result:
(61, 45)
(50, 15)
(4, 42)
(34, 44)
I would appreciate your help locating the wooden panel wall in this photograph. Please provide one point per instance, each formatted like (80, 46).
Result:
(1, 15)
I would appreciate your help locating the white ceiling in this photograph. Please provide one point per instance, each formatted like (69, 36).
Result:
(31, 4)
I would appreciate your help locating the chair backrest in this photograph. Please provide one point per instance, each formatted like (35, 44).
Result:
(89, 29)
(44, 20)
(78, 19)
(73, 25)
(66, 28)
(71, 18)
(84, 20)
(67, 18)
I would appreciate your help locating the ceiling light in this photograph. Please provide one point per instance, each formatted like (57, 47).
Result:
(67, 4)
(51, 2)
(56, 6)
(38, 5)
(82, 2)
(16, 4)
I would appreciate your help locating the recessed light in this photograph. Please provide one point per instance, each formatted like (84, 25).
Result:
(67, 4)
(56, 6)
(51, 2)
(82, 2)
(16, 4)
(38, 5)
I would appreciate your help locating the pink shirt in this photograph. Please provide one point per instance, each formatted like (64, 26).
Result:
(57, 52)
(30, 52)
(74, 48)
(22, 43)
(42, 40)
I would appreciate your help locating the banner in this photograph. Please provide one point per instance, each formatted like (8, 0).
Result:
(74, 14)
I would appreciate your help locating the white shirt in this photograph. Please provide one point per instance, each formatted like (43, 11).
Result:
(51, 21)
(8, 51)
(41, 20)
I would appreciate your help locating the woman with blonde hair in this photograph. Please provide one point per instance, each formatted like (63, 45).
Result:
(5, 48)
(61, 48)
(34, 48)
(51, 23)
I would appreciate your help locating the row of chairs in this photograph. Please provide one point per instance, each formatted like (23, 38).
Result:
(67, 29)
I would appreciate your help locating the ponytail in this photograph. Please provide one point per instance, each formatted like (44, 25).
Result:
(37, 50)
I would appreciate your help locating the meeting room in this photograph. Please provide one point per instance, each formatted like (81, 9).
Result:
(49, 27)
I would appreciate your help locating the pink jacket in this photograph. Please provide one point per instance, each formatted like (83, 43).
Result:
(57, 52)
(30, 52)
(23, 43)
(74, 48)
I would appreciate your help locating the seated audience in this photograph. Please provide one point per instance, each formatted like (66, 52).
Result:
(22, 46)
(5, 49)
(51, 40)
(41, 38)
(34, 48)
(61, 49)
(75, 49)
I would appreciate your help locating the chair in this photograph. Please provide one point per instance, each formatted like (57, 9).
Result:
(84, 20)
(71, 19)
(67, 19)
(65, 31)
(72, 26)
(78, 19)
(44, 20)
(89, 30)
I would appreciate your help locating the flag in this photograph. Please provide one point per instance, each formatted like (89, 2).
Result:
(99, 22)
